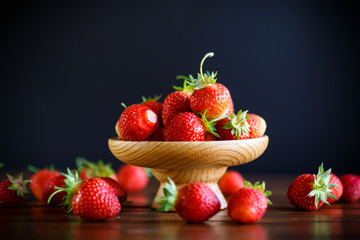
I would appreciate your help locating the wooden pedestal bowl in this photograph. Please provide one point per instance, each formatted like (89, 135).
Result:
(186, 162)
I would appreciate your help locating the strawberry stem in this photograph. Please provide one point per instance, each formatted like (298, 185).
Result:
(210, 54)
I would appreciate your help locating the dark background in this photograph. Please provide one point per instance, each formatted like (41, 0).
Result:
(66, 68)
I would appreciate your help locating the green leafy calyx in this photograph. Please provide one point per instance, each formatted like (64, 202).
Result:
(261, 187)
(146, 99)
(99, 169)
(18, 184)
(167, 201)
(238, 123)
(322, 186)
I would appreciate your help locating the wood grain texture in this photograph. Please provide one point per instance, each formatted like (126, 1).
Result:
(186, 162)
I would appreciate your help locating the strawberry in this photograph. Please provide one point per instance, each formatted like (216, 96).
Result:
(195, 202)
(49, 189)
(336, 191)
(40, 179)
(132, 178)
(351, 184)
(12, 191)
(257, 125)
(157, 135)
(90, 199)
(120, 193)
(89, 169)
(153, 104)
(231, 108)
(233, 127)
(136, 123)
(230, 182)
(248, 204)
(208, 95)
(177, 102)
(310, 191)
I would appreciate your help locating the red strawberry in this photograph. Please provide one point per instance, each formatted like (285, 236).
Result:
(310, 191)
(39, 181)
(195, 202)
(90, 199)
(177, 102)
(120, 193)
(49, 189)
(89, 169)
(153, 104)
(132, 178)
(351, 184)
(157, 135)
(248, 204)
(336, 191)
(12, 191)
(257, 125)
(209, 96)
(233, 127)
(230, 182)
(136, 123)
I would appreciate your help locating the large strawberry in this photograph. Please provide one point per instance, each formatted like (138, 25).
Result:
(12, 191)
(209, 96)
(351, 184)
(257, 125)
(230, 182)
(310, 191)
(153, 104)
(233, 127)
(90, 199)
(248, 204)
(132, 178)
(136, 123)
(176, 102)
(90, 169)
(195, 202)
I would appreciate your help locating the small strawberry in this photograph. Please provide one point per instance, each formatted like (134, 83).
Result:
(120, 193)
(310, 191)
(248, 204)
(12, 191)
(89, 169)
(153, 104)
(195, 202)
(208, 95)
(257, 125)
(230, 182)
(233, 127)
(90, 199)
(132, 178)
(351, 184)
(39, 180)
(336, 191)
(136, 123)
(49, 189)
(177, 102)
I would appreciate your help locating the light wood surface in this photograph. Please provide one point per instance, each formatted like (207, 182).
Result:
(186, 162)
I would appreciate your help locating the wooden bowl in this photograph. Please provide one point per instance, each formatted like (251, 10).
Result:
(186, 162)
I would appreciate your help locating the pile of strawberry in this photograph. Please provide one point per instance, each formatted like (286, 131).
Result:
(201, 110)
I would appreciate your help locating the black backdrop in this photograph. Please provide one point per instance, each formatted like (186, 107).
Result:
(66, 68)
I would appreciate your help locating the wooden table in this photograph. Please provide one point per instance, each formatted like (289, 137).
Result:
(34, 220)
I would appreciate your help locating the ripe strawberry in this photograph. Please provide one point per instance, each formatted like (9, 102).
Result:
(336, 191)
(120, 193)
(351, 184)
(132, 178)
(209, 96)
(157, 135)
(89, 169)
(49, 189)
(39, 181)
(136, 123)
(195, 202)
(90, 199)
(248, 204)
(230, 182)
(153, 104)
(177, 102)
(233, 127)
(310, 191)
(257, 125)
(12, 191)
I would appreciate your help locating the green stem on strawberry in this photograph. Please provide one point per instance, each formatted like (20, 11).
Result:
(260, 187)
(238, 123)
(145, 99)
(210, 54)
(18, 184)
(167, 201)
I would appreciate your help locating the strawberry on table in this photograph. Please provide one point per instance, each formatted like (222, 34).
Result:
(248, 204)
(337, 191)
(310, 191)
(230, 182)
(233, 127)
(153, 104)
(136, 123)
(49, 189)
(90, 199)
(351, 184)
(195, 202)
(119, 192)
(257, 125)
(132, 178)
(12, 191)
